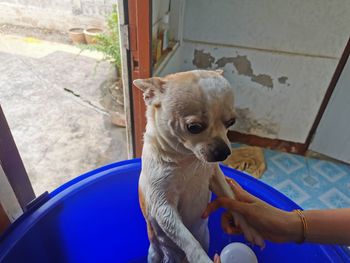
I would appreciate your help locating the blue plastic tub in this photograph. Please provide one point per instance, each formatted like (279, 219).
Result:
(96, 218)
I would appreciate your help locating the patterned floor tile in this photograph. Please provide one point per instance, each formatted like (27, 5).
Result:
(312, 183)
(314, 203)
(293, 191)
(335, 199)
(328, 170)
(287, 162)
(272, 175)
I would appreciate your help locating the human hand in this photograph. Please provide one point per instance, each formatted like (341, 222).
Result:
(217, 259)
(272, 223)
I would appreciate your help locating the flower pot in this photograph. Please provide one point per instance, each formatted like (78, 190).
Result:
(77, 35)
(91, 33)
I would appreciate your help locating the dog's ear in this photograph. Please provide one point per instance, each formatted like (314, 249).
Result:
(152, 88)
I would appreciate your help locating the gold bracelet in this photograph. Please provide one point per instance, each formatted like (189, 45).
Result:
(304, 222)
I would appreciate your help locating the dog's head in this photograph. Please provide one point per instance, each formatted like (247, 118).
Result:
(190, 112)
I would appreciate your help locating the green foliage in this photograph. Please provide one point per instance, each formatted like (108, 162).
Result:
(108, 43)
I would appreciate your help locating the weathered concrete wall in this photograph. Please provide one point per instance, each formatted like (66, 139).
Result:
(55, 14)
(278, 95)
(279, 55)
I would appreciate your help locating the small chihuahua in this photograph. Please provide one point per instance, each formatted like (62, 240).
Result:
(188, 115)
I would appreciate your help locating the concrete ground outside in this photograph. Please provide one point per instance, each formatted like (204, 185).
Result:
(57, 104)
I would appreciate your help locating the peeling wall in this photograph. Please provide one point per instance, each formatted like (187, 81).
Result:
(279, 55)
(244, 67)
(281, 106)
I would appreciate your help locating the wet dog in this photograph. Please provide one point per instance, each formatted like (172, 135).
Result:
(188, 115)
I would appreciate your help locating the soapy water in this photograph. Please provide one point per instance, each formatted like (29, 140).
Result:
(238, 253)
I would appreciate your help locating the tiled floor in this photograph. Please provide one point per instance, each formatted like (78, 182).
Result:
(312, 183)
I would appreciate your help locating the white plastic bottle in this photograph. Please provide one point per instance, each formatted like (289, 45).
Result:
(165, 28)
(238, 253)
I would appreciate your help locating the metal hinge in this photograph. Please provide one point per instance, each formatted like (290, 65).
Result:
(124, 33)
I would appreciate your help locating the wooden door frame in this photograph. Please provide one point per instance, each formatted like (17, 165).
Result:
(4, 220)
(139, 12)
(12, 165)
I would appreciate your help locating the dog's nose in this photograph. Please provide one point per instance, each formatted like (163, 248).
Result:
(221, 152)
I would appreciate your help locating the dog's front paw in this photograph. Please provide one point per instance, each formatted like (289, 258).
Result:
(250, 234)
(198, 256)
(205, 259)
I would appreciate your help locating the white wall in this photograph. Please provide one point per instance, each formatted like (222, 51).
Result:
(173, 63)
(279, 55)
(332, 135)
(318, 27)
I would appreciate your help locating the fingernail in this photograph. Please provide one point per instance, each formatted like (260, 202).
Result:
(216, 257)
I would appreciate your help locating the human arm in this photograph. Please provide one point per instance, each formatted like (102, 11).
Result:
(323, 226)
(328, 226)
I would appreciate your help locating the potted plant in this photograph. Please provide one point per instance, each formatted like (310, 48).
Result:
(107, 42)
(77, 35)
(91, 34)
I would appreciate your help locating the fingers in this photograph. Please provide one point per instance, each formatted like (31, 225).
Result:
(217, 258)
(235, 223)
(257, 238)
(227, 224)
(224, 202)
(233, 183)
(250, 234)
(239, 192)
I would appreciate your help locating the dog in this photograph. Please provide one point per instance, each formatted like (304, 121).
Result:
(188, 115)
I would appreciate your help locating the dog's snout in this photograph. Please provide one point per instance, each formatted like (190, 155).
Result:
(220, 154)
(220, 151)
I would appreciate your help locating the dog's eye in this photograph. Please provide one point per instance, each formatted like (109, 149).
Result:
(230, 123)
(195, 128)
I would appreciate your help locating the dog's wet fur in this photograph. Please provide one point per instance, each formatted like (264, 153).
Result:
(188, 115)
